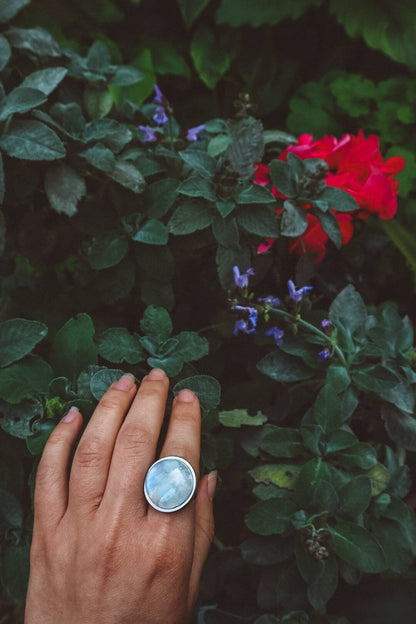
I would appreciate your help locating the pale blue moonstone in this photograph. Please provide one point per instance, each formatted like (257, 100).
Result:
(169, 483)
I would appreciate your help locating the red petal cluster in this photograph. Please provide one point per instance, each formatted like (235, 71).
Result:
(356, 166)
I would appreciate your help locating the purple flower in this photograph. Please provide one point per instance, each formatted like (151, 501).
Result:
(194, 132)
(274, 302)
(297, 294)
(242, 326)
(241, 280)
(252, 314)
(326, 323)
(324, 354)
(160, 116)
(277, 334)
(149, 134)
(158, 99)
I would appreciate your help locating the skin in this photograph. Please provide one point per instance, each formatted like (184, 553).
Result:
(100, 554)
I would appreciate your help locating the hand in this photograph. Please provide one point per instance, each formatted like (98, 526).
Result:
(100, 553)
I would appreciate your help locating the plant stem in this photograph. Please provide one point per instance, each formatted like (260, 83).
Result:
(289, 317)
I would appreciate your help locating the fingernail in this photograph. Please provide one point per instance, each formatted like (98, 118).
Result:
(69, 417)
(156, 374)
(125, 383)
(212, 484)
(187, 396)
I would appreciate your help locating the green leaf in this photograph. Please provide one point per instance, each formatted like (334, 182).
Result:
(153, 232)
(126, 75)
(255, 194)
(45, 80)
(400, 427)
(386, 385)
(64, 188)
(21, 100)
(404, 240)
(218, 144)
(327, 411)
(212, 58)
(98, 58)
(5, 52)
(282, 475)
(246, 147)
(9, 8)
(238, 417)
(239, 12)
(337, 377)
(260, 220)
(358, 547)
(14, 570)
(226, 232)
(189, 217)
(31, 140)
(355, 497)
(191, 9)
(118, 345)
(283, 367)
(324, 585)
(107, 249)
(156, 323)
(98, 101)
(191, 346)
(361, 455)
(18, 337)
(379, 476)
(127, 174)
(206, 388)
(16, 419)
(171, 364)
(73, 348)
(348, 310)
(338, 200)
(34, 40)
(36, 442)
(385, 26)
(197, 186)
(102, 380)
(100, 157)
(340, 440)
(330, 226)
(162, 195)
(281, 177)
(314, 473)
(25, 380)
(294, 220)
(199, 161)
(283, 442)
(225, 207)
(270, 517)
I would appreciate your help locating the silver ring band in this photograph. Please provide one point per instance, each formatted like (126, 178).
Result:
(170, 484)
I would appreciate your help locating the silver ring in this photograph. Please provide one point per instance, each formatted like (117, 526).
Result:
(170, 484)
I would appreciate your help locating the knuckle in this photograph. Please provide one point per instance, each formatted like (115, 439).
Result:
(133, 438)
(110, 402)
(169, 556)
(89, 453)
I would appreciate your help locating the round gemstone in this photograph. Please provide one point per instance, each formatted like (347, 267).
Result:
(170, 483)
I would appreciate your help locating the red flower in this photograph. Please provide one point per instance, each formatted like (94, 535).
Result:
(355, 166)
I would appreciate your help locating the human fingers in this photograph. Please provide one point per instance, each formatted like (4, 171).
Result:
(204, 531)
(51, 488)
(92, 458)
(183, 439)
(136, 444)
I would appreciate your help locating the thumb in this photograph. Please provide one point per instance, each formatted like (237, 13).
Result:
(204, 530)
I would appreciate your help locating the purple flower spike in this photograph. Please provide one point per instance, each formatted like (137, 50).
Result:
(149, 134)
(324, 354)
(158, 99)
(241, 280)
(252, 314)
(160, 116)
(193, 133)
(277, 334)
(242, 326)
(273, 302)
(297, 294)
